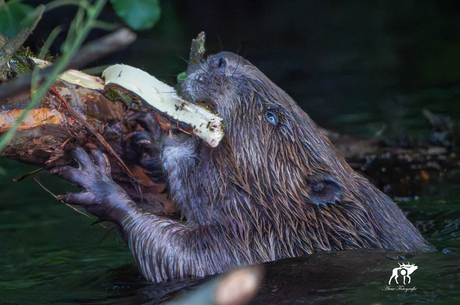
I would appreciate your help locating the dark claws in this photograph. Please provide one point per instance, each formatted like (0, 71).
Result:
(100, 196)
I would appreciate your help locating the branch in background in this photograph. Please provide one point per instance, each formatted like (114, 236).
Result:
(10, 47)
(2, 40)
(102, 47)
(197, 50)
(91, 52)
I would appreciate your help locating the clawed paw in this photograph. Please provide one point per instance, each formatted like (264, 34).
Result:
(88, 170)
(100, 194)
(148, 155)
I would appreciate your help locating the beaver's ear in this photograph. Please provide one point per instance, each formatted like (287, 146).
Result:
(324, 190)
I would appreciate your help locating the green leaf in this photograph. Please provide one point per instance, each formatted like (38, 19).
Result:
(138, 14)
(11, 15)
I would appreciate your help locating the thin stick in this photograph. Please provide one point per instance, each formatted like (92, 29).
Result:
(70, 206)
(28, 175)
(43, 187)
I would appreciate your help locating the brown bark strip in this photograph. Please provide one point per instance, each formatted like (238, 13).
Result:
(101, 139)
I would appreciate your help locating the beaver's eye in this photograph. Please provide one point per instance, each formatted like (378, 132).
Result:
(271, 118)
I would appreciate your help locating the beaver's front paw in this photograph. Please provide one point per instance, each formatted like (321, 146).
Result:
(100, 195)
(147, 154)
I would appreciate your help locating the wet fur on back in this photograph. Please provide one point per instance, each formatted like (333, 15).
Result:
(270, 172)
(273, 188)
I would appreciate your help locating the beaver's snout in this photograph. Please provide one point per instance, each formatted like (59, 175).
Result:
(214, 80)
(227, 63)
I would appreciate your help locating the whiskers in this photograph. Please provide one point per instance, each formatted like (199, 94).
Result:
(193, 67)
(237, 65)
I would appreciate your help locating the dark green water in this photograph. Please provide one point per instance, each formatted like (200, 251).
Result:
(51, 254)
(46, 248)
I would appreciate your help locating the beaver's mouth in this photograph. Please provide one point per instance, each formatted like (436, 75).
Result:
(156, 96)
(193, 90)
(209, 106)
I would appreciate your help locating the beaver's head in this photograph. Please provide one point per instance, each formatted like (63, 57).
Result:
(287, 180)
(276, 144)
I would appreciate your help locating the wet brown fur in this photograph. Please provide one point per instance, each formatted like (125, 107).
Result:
(268, 191)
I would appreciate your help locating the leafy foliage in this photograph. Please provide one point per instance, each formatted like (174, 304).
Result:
(138, 14)
(13, 18)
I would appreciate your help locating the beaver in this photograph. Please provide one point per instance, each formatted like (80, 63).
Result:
(273, 188)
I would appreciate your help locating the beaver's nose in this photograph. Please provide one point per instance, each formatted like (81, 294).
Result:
(219, 62)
